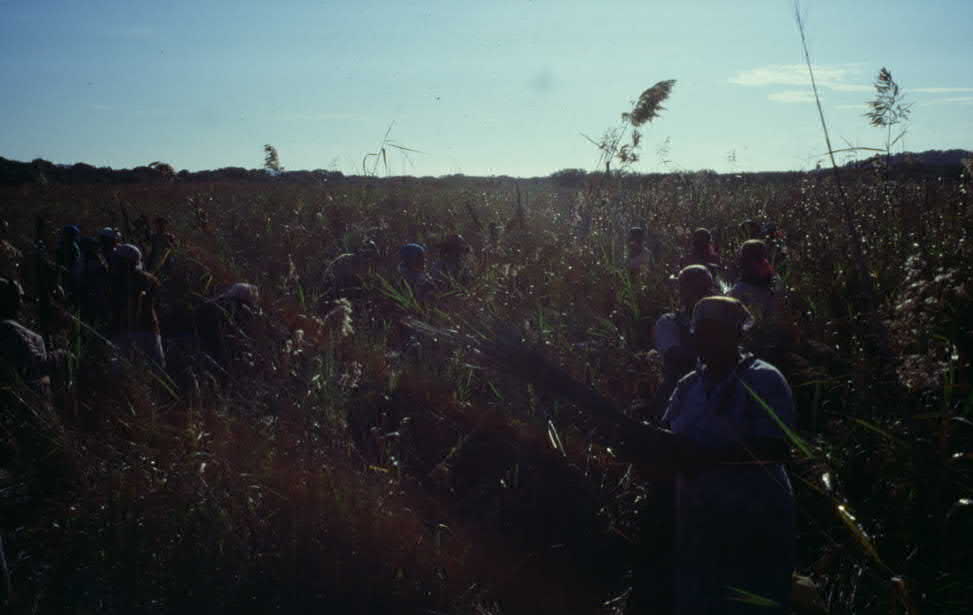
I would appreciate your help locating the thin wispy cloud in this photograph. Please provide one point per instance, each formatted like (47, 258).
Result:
(792, 96)
(957, 100)
(939, 90)
(319, 117)
(837, 77)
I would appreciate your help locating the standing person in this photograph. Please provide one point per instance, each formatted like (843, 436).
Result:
(161, 244)
(68, 257)
(10, 256)
(412, 267)
(23, 354)
(135, 322)
(671, 332)
(453, 264)
(735, 507)
(639, 256)
(761, 290)
(96, 306)
(108, 238)
(703, 252)
(224, 323)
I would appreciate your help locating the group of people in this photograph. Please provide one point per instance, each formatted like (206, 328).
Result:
(111, 290)
(734, 506)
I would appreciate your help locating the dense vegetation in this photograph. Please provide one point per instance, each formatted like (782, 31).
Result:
(344, 465)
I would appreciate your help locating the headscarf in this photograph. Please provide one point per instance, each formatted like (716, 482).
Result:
(411, 252)
(754, 266)
(243, 292)
(723, 309)
(129, 255)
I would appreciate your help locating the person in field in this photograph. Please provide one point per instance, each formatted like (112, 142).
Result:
(95, 287)
(671, 332)
(161, 245)
(108, 239)
(639, 256)
(68, 258)
(10, 256)
(346, 274)
(412, 268)
(454, 261)
(223, 324)
(23, 354)
(134, 295)
(703, 252)
(734, 506)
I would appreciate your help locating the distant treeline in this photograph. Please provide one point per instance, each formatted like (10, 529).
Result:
(931, 163)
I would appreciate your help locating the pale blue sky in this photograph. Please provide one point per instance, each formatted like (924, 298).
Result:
(480, 88)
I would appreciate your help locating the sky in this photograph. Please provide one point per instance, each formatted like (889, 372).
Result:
(479, 88)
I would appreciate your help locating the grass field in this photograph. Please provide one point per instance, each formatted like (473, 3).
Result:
(342, 466)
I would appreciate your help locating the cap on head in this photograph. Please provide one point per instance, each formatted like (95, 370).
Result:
(636, 233)
(71, 231)
(725, 310)
(108, 234)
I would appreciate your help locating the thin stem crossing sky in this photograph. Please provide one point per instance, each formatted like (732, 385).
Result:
(481, 88)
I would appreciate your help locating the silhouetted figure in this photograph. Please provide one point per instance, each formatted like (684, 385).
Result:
(735, 507)
(703, 252)
(412, 268)
(10, 257)
(671, 332)
(639, 256)
(68, 258)
(23, 353)
(223, 324)
(454, 261)
(135, 322)
(161, 245)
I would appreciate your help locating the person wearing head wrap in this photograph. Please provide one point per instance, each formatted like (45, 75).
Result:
(761, 291)
(639, 256)
(412, 267)
(135, 322)
(68, 259)
(223, 323)
(671, 332)
(703, 252)
(23, 354)
(734, 507)
(161, 243)
(108, 238)
(453, 264)
(10, 256)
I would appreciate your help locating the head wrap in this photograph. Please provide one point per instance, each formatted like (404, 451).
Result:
(244, 293)
(411, 252)
(754, 266)
(696, 273)
(726, 310)
(128, 254)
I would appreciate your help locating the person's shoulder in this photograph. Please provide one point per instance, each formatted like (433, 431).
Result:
(669, 318)
(762, 372)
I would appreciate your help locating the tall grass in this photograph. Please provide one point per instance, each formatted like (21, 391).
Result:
(346, 472)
